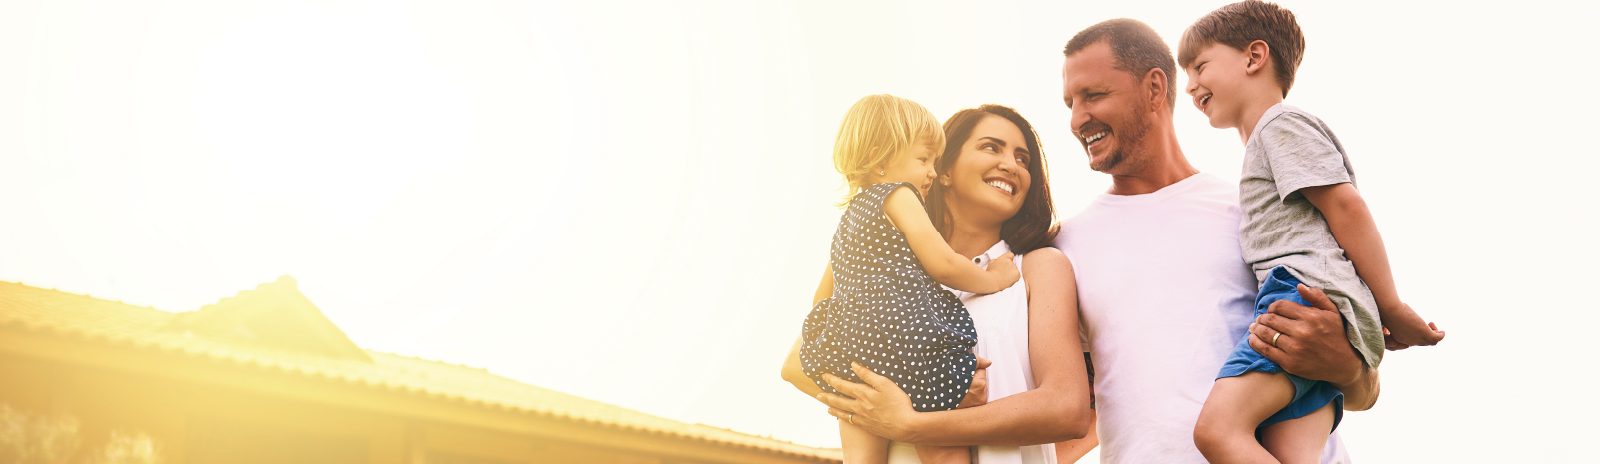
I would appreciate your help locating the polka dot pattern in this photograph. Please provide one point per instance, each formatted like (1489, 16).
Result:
(888, 314)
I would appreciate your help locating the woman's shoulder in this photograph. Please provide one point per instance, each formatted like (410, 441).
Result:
(1045, 260)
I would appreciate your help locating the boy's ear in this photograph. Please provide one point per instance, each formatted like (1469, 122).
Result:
(1260, 54)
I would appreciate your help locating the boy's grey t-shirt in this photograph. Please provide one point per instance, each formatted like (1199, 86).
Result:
(1288, 151)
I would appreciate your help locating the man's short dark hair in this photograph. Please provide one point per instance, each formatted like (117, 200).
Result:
(1238, 25)
(1137, 49)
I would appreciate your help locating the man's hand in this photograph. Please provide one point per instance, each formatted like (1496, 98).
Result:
(978, 393)
(879, 406)
(1310, 340)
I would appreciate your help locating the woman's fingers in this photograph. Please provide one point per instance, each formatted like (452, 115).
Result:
(978, 393)
(837, 403)
(854, 390)
(878, 382)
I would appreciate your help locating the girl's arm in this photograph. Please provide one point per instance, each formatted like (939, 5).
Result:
(1056, 411)
(791, 365)
(943, 263)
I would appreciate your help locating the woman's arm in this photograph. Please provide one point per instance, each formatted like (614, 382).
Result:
(1073, 450)
(943, 263)
(977, 393)
(1057, 410)
(791, 365)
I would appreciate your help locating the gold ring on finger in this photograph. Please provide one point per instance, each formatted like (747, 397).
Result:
(852, 419)
(1275, 339)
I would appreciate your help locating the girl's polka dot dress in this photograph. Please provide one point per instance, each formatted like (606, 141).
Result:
(888, 314)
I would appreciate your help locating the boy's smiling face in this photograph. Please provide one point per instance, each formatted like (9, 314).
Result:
(1217, 84)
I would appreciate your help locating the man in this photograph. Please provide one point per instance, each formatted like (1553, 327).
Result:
(1163, 292)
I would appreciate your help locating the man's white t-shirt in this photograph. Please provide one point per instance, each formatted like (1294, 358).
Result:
(1164, 295)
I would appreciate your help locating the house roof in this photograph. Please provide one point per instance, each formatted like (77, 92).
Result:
(237, 330)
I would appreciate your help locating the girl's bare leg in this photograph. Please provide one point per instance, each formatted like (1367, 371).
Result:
(861, 447)
(1299, 440)
(944, 454)
(1226, 430)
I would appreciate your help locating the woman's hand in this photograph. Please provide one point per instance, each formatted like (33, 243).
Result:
(978, 393)
(879, 406)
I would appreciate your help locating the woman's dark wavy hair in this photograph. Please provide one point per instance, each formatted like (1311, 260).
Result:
(1033, 227)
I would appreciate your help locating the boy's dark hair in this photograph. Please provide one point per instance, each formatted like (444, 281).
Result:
(1238, 25)
(1032, 227)
(1137, 49)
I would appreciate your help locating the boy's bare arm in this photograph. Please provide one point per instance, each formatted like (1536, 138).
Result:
(943, 263)
(1352, 225)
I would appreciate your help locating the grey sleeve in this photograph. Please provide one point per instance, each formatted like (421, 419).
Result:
(1301, 155)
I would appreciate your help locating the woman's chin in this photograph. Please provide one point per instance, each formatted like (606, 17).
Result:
(1003, 207)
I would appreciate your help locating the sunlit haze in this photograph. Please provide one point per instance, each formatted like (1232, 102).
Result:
(632, 202)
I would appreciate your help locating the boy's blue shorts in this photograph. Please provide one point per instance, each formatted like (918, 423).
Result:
(1309, 395)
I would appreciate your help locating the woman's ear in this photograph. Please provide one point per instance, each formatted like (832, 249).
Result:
(1259, 53)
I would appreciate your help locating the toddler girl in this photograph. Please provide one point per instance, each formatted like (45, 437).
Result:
(888, 311)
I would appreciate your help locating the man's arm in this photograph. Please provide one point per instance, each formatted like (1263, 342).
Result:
(1312, 344)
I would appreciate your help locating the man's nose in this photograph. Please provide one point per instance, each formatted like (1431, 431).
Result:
(1080, 116)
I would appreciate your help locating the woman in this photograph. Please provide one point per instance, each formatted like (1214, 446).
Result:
(991, 197)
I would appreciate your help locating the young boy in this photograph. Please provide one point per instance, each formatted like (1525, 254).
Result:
(1304, 221)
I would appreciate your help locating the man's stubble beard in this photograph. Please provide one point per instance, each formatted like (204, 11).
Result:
(1127, 143)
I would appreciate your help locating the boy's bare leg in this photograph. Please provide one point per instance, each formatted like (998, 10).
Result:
(1299, 440)
(944, 454)
(1226, 430)
(862, 447)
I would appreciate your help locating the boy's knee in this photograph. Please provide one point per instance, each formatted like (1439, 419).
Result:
(1209, 435)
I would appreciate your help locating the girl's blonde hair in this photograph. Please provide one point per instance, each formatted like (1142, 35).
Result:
(875, 130)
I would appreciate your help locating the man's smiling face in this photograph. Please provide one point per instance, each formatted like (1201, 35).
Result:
(1108, 110)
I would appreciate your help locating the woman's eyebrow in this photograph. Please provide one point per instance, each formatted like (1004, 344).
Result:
(1001, 142)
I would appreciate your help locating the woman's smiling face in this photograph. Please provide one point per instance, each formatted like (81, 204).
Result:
(991, 175)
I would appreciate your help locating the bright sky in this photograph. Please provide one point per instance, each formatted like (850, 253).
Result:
(631, 201)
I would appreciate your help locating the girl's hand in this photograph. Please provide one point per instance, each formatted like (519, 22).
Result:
(1004, 272)
(978, 393)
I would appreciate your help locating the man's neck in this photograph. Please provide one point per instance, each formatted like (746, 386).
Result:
(1164, 164)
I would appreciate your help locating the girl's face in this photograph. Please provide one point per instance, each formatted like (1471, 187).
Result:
(916, 166)
(990, 179)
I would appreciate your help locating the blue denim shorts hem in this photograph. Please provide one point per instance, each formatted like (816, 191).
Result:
(1309, 395)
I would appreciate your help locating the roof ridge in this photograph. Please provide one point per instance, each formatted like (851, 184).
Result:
(149, 330)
